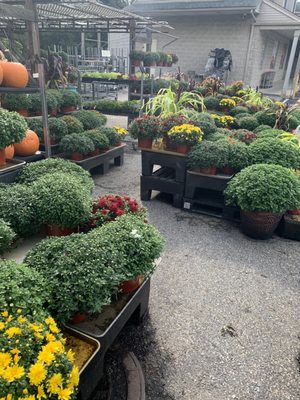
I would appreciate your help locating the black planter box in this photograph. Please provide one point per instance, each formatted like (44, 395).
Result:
(162, 180)
(28, 159)
(289, 228)
(9, 172)
(196, 180)
(107, 326)
(54, 148)
(100, 164)
(176, 161)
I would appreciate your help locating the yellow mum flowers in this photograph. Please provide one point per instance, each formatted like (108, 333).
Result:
(185, 134)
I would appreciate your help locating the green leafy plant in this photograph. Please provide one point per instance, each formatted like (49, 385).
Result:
(76, 143)
(151, 57)
(61, 199)
(144, 127)
(36, 125)
(35, 103)
(211, 102)
(167, 102)
(269, 133)
(58, 128)
(17, 207)
(249, 123)
(70, 98)
(208, 154)
(266, 117)
(261, 128)
(111, 134)
(74, 125)
(196, 116)
(89, 119)
(137, 55)
(243, 135)
(238, 158)
(274, 151)
(31, 172)
(13, 128)
(16, 102)
(264, 187)
(206, 127)
(7, 235)
(21, 288)
(109, 106)
(256, 99)
(58, 94)
(217, 136)
(52, 102)
(100, 140)
(239, 110)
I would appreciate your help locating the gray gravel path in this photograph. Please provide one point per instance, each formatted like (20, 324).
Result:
(224, 309)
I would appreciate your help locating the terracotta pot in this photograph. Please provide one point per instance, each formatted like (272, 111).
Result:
(76, 156)
(67, 109)
(227, 170)
(196, 170)
(160, 64)
(24, 112)
(146, 143)
(38, 113)
(183, 148)
(131, 285)
(168, 146)
(209, 170)
(9, 152)
(94, 153)
(169, 64)
(2, 157)
(118, 144)
(56, 230)
(296, 211)
(225, 110)
(259, 225)
(53, 113)
(150, 64)
(135, 63)
(78, 317)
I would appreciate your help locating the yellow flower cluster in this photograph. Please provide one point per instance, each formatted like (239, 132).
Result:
(223, 120)
(120, 131)
(185, 133)
(34, 364)
(227, 103)
(279, 104)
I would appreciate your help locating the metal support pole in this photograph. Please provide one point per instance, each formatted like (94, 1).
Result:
(99, 44)
(82, 45)
(142, 90)
(44, 109)
(290, 63)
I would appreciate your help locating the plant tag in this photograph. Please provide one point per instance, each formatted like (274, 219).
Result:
(35, 75)
(187, 205)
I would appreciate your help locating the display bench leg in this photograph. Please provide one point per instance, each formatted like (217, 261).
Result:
(145, 191)
(118, 161)
(142, 309)
(177, 200)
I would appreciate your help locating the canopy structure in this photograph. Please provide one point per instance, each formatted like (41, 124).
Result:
(70, 15)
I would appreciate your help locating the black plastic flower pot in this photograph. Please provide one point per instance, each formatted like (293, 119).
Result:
(289, 228)
(259, 225)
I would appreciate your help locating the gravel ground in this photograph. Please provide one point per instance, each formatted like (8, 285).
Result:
(224, 309)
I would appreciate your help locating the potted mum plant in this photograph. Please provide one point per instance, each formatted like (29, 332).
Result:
(100, 141)
(264, 192)
(76, 146)
(13, 130)
(169, 60)
(185, 136)
(7, 236)
(145, 129)
(73, 124)
(57, 130)
(90, 119)
(174, 58)
(70, 101)
(31, 363)
(227, 104)
(136, 57)
(166, 124)
(62, 203)
(150, 59)
(207, 156)
(121, 132)
(17, 102)
(35, 105)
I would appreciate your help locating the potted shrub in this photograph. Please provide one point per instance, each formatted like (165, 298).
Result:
(111, 134)
(274, 151)
(89, 119)
(17, 102)
(145, 129)
(7, 236)
(207, 156)
(100, 141)
(248, 122)
(62, 203)
(227, 104)
(166, 124)
(82, 282)
(70, 100)
(150, 59)
(73, 124)
(185, 136)
(109, 207)
(264, 192)
(31, 172)
(238, 158)
(58, 128)
(162, 59)
(266, 117)
(211, 102)
(223, 121)
(37, 366)
(76, 146)
(35, 105)
(239, 110)
(243, 135)
(121, 132)
(13, 130)
(174, 58)
(52, 103)
(58, 94)
(36, 125)
(22, 287)
(136, 57)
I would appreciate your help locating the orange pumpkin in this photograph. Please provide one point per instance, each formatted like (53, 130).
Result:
(29, 145)
(1, 74)
(14, 74)
(9, 151)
